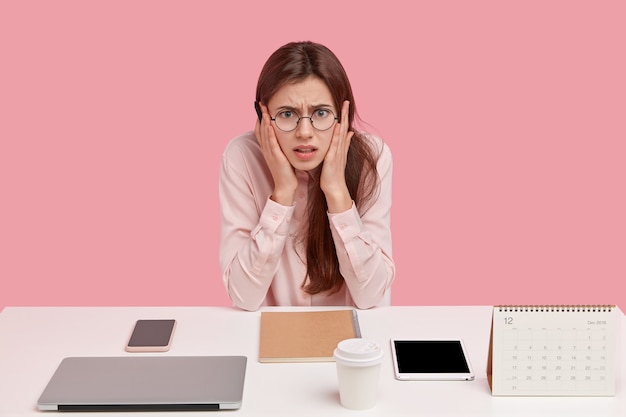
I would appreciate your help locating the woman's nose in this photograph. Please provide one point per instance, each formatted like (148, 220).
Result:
(304, 128)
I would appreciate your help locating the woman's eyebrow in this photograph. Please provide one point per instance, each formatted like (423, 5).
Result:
(286, 107)
(310, 106)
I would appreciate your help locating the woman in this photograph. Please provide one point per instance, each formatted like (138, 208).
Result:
(305, 199)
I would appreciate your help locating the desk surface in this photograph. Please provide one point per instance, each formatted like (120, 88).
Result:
(33, 340)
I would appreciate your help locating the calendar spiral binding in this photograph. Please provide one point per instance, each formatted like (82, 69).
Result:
(565, 308)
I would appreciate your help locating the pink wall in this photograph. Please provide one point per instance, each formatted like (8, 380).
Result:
(507, 124)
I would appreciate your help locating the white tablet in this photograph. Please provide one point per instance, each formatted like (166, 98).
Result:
(425, 359)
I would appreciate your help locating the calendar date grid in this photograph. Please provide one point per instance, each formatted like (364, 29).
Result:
(560, 358)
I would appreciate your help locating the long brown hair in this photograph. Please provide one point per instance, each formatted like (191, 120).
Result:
(293, 63)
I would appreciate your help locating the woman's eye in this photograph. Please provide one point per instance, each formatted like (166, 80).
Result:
(321, 113)
(286, 114)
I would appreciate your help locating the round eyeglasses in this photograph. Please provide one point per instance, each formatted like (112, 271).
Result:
(321, 119)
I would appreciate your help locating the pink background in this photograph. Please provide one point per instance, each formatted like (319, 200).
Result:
(506, 121)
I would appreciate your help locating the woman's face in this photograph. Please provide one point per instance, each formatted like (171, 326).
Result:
(305, 147)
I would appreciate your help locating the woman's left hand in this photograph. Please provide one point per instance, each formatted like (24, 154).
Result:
(333, 178)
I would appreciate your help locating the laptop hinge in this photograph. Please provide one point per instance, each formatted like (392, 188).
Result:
(139, 407)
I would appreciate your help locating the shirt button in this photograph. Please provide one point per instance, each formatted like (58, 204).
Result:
(275, 217)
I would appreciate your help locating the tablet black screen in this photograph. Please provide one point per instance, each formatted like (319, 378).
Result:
(430, 356)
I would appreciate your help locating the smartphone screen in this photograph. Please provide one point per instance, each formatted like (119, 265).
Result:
(151, 336)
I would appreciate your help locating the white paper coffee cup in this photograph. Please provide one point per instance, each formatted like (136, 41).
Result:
(358, 370)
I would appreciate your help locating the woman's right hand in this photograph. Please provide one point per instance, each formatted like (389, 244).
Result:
(285, 181)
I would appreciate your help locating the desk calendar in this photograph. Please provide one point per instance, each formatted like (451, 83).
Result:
(552, 350)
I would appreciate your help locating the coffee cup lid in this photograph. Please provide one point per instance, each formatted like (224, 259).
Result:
(358, 352)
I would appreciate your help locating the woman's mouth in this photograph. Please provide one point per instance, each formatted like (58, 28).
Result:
(305, 152)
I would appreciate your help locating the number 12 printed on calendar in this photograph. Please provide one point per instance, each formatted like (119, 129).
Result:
(552, 350)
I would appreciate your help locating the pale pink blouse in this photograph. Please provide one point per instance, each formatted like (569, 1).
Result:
(263, 261)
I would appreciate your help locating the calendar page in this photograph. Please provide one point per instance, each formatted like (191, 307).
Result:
(553, 350)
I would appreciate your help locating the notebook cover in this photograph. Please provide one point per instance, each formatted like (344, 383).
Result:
(305, 336)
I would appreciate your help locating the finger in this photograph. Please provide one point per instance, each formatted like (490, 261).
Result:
(270, 142)
(266, 113)
(343, 134)
(345, 114)
(349, 138)
(265, 127)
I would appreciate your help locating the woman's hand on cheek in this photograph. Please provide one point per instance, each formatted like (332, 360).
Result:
(285, 181)
(333, 178)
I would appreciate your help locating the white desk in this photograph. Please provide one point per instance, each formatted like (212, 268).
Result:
(33, 340)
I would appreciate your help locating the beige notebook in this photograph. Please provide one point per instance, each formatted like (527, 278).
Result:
(305, 336)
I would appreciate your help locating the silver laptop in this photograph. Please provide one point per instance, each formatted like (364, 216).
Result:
(146, 383)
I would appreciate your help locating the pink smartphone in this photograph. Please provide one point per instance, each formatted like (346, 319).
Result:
(151, 336)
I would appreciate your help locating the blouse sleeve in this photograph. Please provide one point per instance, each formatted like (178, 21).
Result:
(253, 231)
(363, 243)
